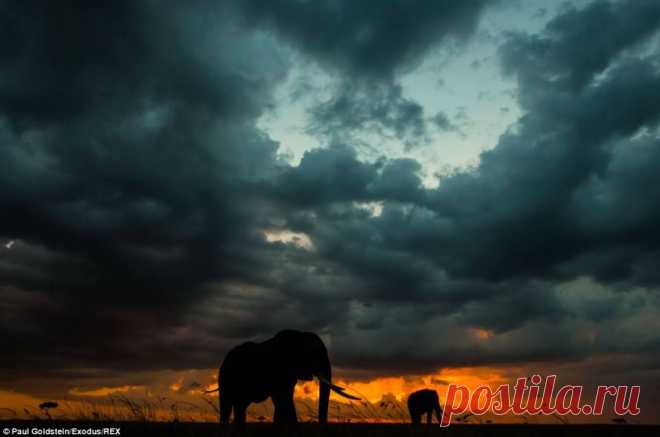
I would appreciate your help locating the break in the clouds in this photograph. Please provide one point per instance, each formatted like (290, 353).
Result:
(366, 49)
(149, 220)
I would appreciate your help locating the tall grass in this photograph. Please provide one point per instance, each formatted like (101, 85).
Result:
(204, 408)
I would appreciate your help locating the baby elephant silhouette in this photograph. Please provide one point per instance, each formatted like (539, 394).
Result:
(424, 402)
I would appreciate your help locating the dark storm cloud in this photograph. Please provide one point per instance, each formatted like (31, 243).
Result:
(359, 38)
(335, 174)
(154, 225)
(369, 47)
(328, 175)
(110, 137)
(127, 151)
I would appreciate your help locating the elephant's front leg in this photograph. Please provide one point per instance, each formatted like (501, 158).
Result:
(285, 410)
(438, 412)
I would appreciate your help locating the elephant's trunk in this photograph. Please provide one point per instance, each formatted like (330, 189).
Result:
(324, 393)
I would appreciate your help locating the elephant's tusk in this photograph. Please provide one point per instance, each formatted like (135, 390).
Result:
(346, 395)
(336, 388)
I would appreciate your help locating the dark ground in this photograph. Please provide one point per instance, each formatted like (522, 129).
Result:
(146, 429)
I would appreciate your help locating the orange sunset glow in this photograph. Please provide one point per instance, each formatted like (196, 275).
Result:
(175, 390)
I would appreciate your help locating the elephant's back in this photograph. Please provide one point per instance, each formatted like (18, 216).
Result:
(421, 395)
(239, 357)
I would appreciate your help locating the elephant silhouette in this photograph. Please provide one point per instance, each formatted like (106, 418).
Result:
(424, 402)
(252, 372)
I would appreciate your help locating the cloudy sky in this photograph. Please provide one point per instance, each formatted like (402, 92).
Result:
(429, 185)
